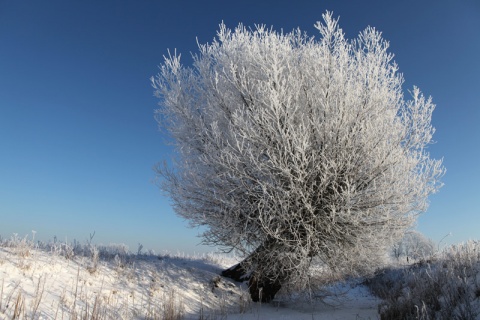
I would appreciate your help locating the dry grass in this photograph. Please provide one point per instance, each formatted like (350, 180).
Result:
(83, 307)
(444, 287)
(130, 292)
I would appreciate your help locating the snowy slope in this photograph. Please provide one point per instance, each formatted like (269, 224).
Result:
(40, 284)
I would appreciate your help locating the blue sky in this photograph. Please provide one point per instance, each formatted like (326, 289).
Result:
(77, 135)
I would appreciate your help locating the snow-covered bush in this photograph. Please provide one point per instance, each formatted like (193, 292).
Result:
(292, 148)
(445, 288)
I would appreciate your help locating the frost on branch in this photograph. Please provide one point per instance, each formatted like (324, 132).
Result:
(293, 150)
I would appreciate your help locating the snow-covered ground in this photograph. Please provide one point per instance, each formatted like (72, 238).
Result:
(41, 284)
(342, 302)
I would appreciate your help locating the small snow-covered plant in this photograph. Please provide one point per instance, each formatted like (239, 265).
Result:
(243, 302)
(68, 250)
(173, 308)
(118, 262)
(22, 246)
(95, 256)
(291, 148)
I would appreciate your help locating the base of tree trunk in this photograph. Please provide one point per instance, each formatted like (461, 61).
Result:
(263, 289)
(261, 286)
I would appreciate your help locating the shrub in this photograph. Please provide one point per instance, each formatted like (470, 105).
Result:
(445, 288)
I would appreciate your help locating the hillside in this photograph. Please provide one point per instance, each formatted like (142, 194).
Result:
(73, 281)
(85, 281)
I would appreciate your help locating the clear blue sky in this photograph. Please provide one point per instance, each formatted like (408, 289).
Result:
(77, 135)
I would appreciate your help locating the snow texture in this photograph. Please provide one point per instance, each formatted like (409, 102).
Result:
(46, 285)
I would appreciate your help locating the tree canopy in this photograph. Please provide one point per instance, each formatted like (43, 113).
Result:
(292, 149)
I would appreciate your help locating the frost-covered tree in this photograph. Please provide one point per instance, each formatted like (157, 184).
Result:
(293, 150)
(414, 245)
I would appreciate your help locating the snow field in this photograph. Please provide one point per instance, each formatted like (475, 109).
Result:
(35, 284)
(73, 281)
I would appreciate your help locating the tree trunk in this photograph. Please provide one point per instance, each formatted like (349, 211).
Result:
(261, 286)
(236, 272)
